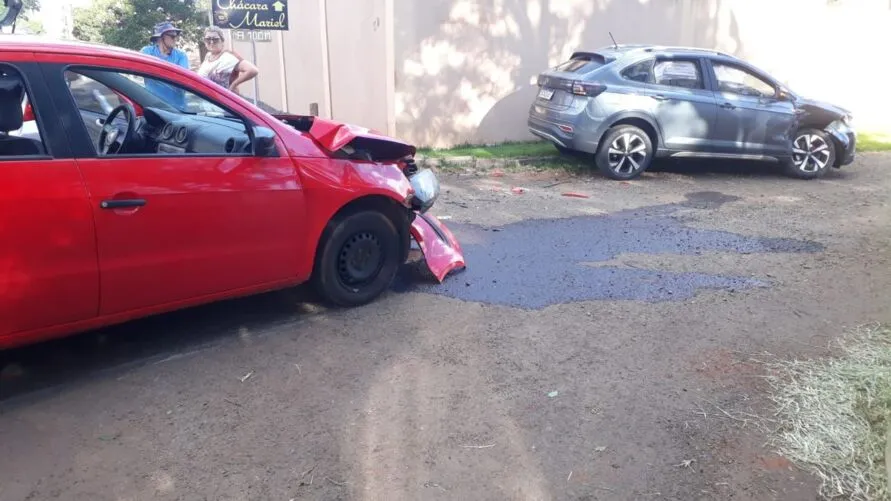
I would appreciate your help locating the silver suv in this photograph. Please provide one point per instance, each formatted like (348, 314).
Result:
(628, 104)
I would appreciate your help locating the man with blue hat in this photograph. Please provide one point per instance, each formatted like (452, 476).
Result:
(163, 47)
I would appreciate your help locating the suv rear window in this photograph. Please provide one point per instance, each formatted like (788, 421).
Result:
(580, 65)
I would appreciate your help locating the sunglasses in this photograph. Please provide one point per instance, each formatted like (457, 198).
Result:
(171, 34)
(212, 39)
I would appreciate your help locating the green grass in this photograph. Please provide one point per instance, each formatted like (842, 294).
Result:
(873, 141)
(503, 150)
(866, 142)
(834, 414)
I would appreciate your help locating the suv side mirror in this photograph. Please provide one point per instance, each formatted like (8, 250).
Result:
(784, 95)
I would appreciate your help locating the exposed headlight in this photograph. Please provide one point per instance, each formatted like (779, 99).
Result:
(848, 120)
(426, 188)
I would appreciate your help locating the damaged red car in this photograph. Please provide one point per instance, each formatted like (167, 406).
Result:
(131, 187)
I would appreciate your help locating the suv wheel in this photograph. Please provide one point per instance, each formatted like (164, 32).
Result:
(813, 152)
(625, 152)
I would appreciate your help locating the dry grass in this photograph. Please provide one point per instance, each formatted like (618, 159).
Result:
(833, 414)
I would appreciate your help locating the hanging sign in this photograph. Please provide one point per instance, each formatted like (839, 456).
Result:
(251, 15)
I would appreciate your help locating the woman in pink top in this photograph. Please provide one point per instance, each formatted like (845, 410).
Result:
(223, 66)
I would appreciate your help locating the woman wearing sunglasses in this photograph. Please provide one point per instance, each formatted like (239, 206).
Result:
(223, 66)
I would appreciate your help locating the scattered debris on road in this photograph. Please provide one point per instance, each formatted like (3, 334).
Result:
(572, 194)
(339, 484)
(478, 446)
(247, 376)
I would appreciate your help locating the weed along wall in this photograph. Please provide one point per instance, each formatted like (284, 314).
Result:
(446, 72)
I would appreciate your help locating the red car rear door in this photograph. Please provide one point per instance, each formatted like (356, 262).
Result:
(48, 266)
(185, 214)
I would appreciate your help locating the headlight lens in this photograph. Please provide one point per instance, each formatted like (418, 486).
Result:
(426, 188)
(848, 120)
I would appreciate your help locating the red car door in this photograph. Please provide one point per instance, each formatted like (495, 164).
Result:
(48, 267)
(183, 213)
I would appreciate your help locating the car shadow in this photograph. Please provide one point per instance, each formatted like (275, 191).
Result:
(696, 167)
(733, 168)
(51, 363)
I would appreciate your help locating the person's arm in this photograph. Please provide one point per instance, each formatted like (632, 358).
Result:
(246, 71)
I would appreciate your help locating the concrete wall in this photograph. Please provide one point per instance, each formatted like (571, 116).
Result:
(293, 71)
(445, 72)
(359, 54)
(464, 68)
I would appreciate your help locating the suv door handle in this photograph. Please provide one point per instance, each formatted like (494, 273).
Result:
(728, 106)
(122, 204)
(658, 97)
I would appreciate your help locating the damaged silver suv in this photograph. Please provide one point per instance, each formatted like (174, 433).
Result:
(627, 104)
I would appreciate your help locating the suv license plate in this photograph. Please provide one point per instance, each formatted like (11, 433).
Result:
(546, 94)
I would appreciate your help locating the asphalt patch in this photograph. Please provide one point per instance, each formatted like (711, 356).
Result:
(534, 264)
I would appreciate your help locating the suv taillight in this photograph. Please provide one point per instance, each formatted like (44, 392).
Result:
(587, 89)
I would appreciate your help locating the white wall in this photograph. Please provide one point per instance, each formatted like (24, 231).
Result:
(463, 67)
(444, 72)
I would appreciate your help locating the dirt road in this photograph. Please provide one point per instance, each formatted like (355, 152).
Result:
(595, 348)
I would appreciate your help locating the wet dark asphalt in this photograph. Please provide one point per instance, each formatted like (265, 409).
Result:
(538, 263)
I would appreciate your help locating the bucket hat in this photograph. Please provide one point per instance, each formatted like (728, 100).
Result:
(162, 28)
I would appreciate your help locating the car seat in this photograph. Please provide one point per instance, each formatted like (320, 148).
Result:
(12, 91)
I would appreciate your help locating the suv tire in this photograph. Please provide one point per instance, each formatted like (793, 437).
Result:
(625, 152)
(813, 154)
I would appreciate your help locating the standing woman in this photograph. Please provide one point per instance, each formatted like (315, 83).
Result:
(223, 66)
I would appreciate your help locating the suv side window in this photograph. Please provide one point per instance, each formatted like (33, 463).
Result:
(19, 131)
(639, 72)
(739, 81)
(678, 73)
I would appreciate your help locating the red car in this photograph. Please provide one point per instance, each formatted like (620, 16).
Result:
(131, 187)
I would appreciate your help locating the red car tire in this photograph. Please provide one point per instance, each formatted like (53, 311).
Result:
(358, 259)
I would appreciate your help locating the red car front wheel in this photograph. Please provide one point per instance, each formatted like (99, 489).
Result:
(358, 259)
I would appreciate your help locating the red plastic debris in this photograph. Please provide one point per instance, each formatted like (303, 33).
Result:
(518, 190)
(497, 173)
(575, 195)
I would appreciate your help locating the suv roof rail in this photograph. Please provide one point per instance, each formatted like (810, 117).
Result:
(652, 48)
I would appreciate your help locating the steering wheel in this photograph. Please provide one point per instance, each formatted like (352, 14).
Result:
(110, 138)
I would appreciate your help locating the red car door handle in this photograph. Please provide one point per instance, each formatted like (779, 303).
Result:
(122, 204)
(728, 106)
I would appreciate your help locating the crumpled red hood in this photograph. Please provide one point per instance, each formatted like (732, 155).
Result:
(335, 135)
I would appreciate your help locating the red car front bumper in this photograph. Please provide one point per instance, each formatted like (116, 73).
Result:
(441, 249)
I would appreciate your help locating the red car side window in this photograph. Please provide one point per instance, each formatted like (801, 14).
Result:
(177, 121)
(18, 137)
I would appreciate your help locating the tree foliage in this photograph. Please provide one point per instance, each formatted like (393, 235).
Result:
(128, 23)
(25, 19)
(29, 6)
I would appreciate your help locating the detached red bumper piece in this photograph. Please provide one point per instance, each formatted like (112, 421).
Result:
(442, 251)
